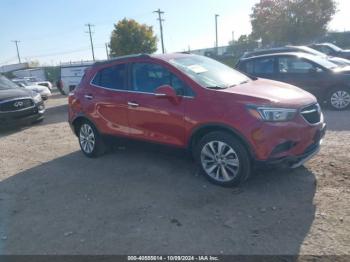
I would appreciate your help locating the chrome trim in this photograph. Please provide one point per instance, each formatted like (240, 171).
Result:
(15, 99)
(127, 91)
(311, 111)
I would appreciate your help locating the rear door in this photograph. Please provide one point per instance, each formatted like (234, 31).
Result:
(261, 67)
(106, 100)
(153, 118)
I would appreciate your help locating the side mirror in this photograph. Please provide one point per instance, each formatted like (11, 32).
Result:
(165, 91)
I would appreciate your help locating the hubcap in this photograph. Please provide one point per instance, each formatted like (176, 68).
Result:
(220, 161)
(87, 138)
(340, 99)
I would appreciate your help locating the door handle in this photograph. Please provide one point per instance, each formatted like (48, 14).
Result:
(89, 97)
(133, 104)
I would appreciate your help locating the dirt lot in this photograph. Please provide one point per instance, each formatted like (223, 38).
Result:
(144, 199)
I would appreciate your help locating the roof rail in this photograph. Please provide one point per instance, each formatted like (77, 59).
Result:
(121, 58)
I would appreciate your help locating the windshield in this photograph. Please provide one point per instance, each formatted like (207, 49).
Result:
(208, 72)
(322, 61)
(6, 83)
(334, 47)
(309, 50)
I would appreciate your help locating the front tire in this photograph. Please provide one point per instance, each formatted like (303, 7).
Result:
(223, 159)
(339, 99)
(90, 141)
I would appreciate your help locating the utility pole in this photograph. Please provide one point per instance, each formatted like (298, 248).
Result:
(16, 42)
(161, 20)
(92, 45)
(107, 51)
(216, 33)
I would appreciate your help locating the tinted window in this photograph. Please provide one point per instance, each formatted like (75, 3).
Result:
(147, 77)
(113, 77)
(294, 65)
(260, 66)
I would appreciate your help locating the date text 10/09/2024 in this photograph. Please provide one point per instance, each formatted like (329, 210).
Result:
(173, 258)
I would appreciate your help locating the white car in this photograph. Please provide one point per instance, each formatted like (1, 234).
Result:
(42, 90)
(35, 81)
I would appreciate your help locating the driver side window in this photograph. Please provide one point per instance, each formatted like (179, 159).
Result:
(294, 65)
(147, 77)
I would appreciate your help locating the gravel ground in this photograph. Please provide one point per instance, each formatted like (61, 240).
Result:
(147, 199)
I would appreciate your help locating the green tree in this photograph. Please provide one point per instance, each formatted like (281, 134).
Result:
(291, 21)
(130, 37)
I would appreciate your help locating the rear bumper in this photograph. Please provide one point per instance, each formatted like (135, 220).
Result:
(294, 161)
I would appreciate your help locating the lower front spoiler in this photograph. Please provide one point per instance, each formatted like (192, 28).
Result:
(292, 161)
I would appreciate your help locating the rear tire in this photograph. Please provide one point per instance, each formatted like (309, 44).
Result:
(223, 159)
(90, 141)
(339, 99)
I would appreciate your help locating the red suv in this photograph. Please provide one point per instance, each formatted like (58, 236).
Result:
(229, 121)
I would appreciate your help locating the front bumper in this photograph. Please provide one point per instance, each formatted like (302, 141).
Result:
(295, 161)
(12, 119)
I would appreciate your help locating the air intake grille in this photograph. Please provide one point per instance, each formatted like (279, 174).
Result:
(312, 114)
(16, 105)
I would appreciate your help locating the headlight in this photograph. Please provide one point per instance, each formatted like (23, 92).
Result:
(272, 114)
(37, 98)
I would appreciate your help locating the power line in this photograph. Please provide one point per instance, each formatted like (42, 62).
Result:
(161, 20)
(16, 42)
(92, 45)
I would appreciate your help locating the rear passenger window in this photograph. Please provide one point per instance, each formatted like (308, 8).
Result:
(113, 77)
(264, 66)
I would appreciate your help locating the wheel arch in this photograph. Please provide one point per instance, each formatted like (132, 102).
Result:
(78, 120)
(202, 130)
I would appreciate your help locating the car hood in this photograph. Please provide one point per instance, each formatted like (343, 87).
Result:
(272, 93)
(6, 94)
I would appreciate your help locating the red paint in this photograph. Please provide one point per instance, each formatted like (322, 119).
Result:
(173, 121)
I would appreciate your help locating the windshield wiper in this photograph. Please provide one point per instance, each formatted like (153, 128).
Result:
(216, 87)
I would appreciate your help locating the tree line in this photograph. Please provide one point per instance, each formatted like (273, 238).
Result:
(274, 22)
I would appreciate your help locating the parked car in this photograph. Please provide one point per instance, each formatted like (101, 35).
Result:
(70, 77)
(18, 105)
(228, 120)
(305, 49)
(327, 81)
(36, 81)
(331, 50)
(42, 90)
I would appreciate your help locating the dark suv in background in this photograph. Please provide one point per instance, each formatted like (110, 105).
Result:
(329, 82)
(331, 50)
(19, 105)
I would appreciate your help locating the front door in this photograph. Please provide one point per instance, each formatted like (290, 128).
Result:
(154, 118)
(302, 73)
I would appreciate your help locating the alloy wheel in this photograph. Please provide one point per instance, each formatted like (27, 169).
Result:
(340, 99)
(87, 138)
(220, 161)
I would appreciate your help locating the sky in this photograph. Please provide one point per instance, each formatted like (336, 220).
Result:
(54, 31)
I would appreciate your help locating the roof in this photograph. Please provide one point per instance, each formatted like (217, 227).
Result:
(165, 57)
(299, 54)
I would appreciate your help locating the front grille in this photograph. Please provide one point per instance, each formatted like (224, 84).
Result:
(16, 105)
(312, 114)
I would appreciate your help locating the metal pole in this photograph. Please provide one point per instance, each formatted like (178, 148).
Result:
(216, 34)
(161, 27)
(19, 57)
(107, 54)
(92, 45)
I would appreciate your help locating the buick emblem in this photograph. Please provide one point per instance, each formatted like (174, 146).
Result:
(18, 104)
